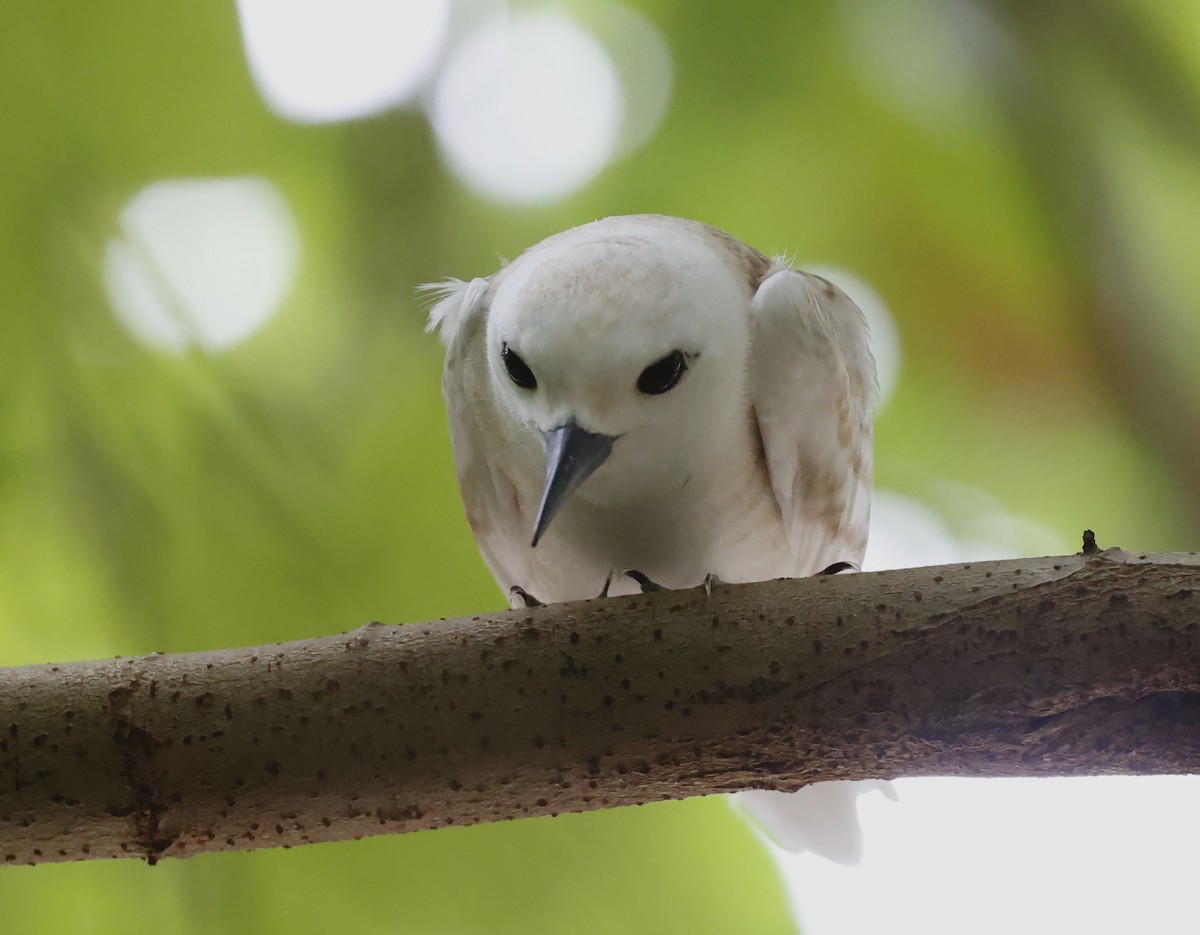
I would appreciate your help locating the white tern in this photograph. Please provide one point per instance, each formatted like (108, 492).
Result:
(649, 393)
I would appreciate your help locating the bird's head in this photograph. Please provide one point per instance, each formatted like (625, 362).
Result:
(621, 355)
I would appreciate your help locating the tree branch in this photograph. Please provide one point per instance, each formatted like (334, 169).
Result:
(1057, 666)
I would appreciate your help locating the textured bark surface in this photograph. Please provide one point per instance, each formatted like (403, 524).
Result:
(1055, 666)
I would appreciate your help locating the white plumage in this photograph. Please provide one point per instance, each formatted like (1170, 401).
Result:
(755, 463)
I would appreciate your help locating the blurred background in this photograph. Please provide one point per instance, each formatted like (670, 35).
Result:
(221, 423)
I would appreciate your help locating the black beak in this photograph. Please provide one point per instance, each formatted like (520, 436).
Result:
(572, 454)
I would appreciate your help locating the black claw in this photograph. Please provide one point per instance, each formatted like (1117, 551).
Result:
(529, 599)
(838, 567)
(710, 582)
(643, 580)
(607, 585)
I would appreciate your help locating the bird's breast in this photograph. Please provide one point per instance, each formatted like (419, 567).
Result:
(676, 530)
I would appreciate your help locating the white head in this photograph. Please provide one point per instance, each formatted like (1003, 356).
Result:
(624, 341)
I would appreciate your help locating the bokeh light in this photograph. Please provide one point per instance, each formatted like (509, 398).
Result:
(201, 262)
(1103, 855)
(322, 60)
(953, 522)
(642, 61)
(528, 107)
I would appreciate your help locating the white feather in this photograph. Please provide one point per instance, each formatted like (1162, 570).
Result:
(451, 299)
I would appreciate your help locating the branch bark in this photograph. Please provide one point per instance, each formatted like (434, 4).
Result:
(1073, 665)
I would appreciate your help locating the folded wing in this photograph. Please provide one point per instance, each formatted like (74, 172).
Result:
(813, 390)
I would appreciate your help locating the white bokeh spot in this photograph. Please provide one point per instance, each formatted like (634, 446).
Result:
(325, 60)
(644, 65)
(201, 262)
(528, 108)
(1102, 855)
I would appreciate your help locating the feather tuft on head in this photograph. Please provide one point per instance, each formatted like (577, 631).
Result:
(450, 300)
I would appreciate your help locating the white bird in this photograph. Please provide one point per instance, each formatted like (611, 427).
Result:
(649, 393)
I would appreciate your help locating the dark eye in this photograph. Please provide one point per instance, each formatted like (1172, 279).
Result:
(661, 375)
(518, 370)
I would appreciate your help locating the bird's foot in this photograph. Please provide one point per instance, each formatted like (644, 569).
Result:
(648, 584)
(607, 585)
(644, 580)
(528, 599)
(838, 567)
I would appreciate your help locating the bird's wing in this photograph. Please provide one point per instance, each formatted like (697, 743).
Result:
(487, 486)
(813, 390)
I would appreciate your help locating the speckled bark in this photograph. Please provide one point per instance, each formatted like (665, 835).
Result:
(1052, 666)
